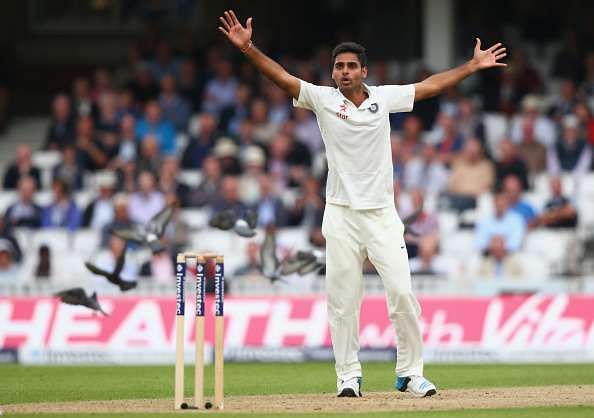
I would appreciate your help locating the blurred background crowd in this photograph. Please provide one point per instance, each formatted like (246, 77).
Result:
(501, 166)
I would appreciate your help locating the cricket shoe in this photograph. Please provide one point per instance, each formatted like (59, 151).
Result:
(350, 388)
(417, 385)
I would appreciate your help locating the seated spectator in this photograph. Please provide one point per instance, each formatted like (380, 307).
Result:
(175, 108)
(168, 184)
(449, 141)
(226, 151)
(558, 212)
(61, 129)
(279, 110)
(264, 128)
(509, 163)
(309, 206)
(121, 218)
(154, 124)
(69, 169)
(91, 155)
(147, 201)
(253, 161)
(570, 153)
(149, 155)
(307, 130)
(189, 87)
(299, 154)
(228, 197)
(541, 127)
(21, 167)
(126, 177)
(532, 152)
(9, 269)
(62, 212)
(101, 83)
(201, 143)
(82, 102)
(278, 164)
(126, 105)
(564, 104)
(143, 85)
(108, 121)
(424, 228)
(469, 122)
(526, 78)
(499, 261)
(107, 259)
(128, 147)
(426, 172)
(219, 92)
(99, 212)
(513, 189)
(24, 212)
(252, 266)
(472, 174)
(207, 190)
(429, 261)
(505, 223)
(412, 143)
(583, 113)
(164, 62)
(43, 270)
(237, 112)
(159, 268)
(270, 208)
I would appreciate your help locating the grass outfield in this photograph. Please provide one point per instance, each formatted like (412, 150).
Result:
(20, 384)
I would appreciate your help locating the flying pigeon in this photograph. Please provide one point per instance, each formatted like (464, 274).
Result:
(243, 226)
(78, 296)
(114, 277)
(151, 233)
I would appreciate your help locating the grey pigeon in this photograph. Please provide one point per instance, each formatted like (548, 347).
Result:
(114, 277)
(150, 233)
(313, 261)
(243, 226)
(78, 296)
(269, 264)
(223, 220)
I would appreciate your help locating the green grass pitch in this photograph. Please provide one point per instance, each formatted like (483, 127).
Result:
(20, 384)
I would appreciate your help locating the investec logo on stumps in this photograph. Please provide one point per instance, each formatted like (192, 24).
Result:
(219, 290)
(200, 285)
(180, 300)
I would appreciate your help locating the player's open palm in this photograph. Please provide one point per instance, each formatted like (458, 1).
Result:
(238, 35)
(489, 57)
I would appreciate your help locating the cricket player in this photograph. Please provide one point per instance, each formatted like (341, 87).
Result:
(360, 218)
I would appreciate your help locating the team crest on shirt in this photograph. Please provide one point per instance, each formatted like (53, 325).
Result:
(374, 107)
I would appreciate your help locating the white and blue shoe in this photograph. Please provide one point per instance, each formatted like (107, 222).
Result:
(417, 385)
(350, 388)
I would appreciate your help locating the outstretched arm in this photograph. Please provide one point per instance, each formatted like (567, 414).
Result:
(241, 37)
(435, 84)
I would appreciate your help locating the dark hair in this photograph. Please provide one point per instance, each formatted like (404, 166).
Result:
(353, 47)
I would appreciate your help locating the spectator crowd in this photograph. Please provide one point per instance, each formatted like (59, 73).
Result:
(165, 111)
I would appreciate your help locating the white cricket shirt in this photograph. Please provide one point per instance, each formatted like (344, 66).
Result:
(357, 140)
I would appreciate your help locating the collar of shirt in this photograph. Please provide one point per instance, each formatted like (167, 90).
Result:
(366, 103)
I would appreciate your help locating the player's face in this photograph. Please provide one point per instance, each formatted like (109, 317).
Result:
(347, 72)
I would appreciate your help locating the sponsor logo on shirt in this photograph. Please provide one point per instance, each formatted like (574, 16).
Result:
(342, 111)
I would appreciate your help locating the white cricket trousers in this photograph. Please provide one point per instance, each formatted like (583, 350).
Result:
(351, 236)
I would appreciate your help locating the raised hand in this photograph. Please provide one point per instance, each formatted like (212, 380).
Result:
(234, 31)
(489, 57)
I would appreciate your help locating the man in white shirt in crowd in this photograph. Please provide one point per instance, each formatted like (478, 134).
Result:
(360, 219)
